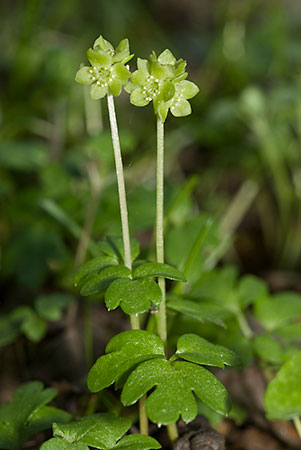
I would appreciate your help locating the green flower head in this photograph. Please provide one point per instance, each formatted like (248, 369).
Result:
(162, 80)
(107, 73)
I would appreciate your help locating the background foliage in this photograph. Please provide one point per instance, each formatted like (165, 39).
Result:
(236, 161)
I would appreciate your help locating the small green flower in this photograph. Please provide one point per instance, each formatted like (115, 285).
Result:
(162, 80)
(107, 73)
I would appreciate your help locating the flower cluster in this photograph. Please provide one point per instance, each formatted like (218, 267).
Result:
(162, 80)
(107, 73)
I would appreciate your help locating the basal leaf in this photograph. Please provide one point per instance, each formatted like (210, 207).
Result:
(102, 280)
(61, 444)
(95, 265)
(195, 349)
(268, 349)
(97, 430)
(9, 330)
(202, 311)
(278, 310)
(113, 246)
(134, 296)
(174, 384)
(20, 418)
(283, 395)
(137, 442)
(34, 327)
(50, 307)
(290, 332)
(101, 431)
(43, 418)
(216, 285)
(250, 288)
(152, 269)
(123, 353)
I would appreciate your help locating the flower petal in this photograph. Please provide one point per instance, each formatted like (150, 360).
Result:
(115, 87)
(187, 89)
(83, 75)
(138, 98)
(121, 72)
(158, 71)
(122, 57)
(180, 77)
(101, 43)
(97, 91)
(180, 66)
(181, 108)
(139, 76)
(99, 58)
(166, 57)
(129, 87)
(142, 64)
(122, 46)
(167, 90)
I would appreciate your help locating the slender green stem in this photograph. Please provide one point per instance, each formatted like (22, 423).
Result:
(120, 183)
(162, 327)
(297, 423)
(143, 417)
(160, 226)
(135, 324)
(244, 326)
(125, 231)
(172, 432)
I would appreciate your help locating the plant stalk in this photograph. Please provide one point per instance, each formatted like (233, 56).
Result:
(120, 183)
(297, 423)
(160, 227)
(162, 328)
(244, 326)
(172, 432)
(143, 420)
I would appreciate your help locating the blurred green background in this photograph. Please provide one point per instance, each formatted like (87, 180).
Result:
(238, 156)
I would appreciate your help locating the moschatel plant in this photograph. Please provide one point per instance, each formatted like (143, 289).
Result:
(137, 360)
(165, 374)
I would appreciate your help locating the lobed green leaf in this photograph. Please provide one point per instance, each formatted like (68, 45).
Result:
(97, 430)
(137, 442)
(61, 444)
(113, 246)
(50, 307)
(123, 353)
(268, 349)
(283, 395)
(134, 296)
(95, 265)
(278, 310)
(202, 311)
(196, 349)
(250, 288)
(102, 280)
(174, 384)
(158, 270)
(27, 414)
